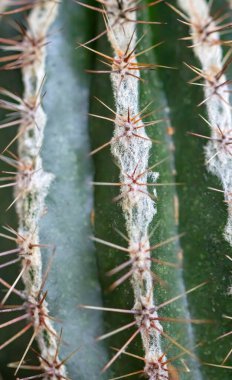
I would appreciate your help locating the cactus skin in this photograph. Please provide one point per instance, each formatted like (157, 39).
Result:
(51, 226)
(74, 266)
(216, 96)
(204, 246)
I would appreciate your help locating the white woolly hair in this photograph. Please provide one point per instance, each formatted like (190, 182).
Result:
(31, 206)
(132, 155)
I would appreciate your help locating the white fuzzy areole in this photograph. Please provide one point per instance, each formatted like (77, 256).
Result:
(210, 55)
(132, 155)
(32, 190)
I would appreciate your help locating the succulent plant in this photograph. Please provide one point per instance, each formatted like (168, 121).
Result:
(116, 215)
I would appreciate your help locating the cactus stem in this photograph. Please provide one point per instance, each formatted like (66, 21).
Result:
(205, 33)
(30, 181)
(124, 49)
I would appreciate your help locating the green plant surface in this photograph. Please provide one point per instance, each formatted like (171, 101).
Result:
(202, 212)
(73, 279)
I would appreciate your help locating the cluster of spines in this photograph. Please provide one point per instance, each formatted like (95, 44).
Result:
(30, 183)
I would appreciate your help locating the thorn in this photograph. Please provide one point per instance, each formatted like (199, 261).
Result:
(217, 365)
(133, 336)
(16, 336)
(111, 245)
(224, 336)
(227, 357)
(15, 282)
(167, 241)
(99, 308)
(116, 331)
(121, 280)
(130, 354)
(128, 375)
(26, 351)
(181, 295)
(13, 321)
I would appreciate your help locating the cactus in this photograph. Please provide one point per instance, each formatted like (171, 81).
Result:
(120, 230)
